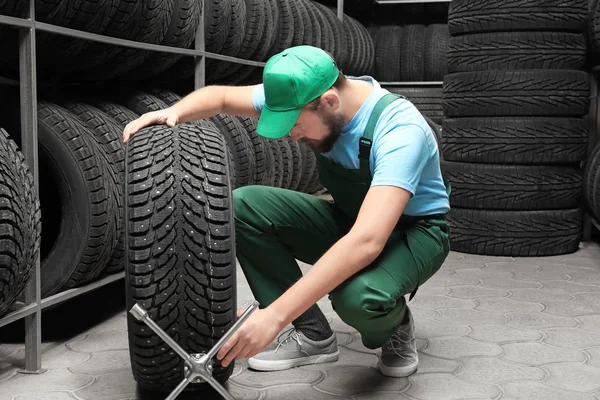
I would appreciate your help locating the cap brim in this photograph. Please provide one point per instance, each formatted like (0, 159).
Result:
(276, 124)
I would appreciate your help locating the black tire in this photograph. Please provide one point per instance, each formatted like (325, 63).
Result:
(515, 233)
(181, 33)
(337, 38)
(412, 50)
(285, 27)
(262, 153)
(297, 165)
(123, 25)
(593, 32)
(314, 184)
(241, 148)
(387, 53)
(232, 45)
(180, 246)
(277, 167)
(437, 133)
(309, 163)
(517, 50)
(120, 114)
(591, 182)
(20, 223)
(287, 164)
(436, 49)
(429, 101)
(138, 101)
(517, 93)
(476, 16)
(81, 234)
(166, 96)
(56, 54)
(108, 135)
(513, 187)
(153, 24)
(515, 140)
(217, 24)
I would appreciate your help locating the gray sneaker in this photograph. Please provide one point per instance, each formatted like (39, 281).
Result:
(399, 357)
(294, 350)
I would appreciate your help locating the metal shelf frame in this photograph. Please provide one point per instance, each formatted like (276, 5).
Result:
(30, 310)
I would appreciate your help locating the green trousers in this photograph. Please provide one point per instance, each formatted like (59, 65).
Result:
(274, 227)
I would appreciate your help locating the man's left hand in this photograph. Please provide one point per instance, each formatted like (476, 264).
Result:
(259, 330)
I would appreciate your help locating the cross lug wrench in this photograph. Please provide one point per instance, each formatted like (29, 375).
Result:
(198, 368)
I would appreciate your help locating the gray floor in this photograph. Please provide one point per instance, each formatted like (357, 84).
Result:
(487, 327)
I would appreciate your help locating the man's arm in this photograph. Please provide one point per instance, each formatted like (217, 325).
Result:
(356, 250)
(202, 103)
(212, 100)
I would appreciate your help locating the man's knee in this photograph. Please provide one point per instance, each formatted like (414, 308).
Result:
(361, 300)
(245, 200)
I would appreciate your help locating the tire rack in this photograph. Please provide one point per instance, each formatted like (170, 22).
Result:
(30, 310)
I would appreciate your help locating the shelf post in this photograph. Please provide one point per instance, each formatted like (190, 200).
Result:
(200, 61)
(29, 148)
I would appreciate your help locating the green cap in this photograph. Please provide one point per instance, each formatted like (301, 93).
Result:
(293, 78)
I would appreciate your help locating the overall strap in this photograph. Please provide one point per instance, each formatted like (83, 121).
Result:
(366, 140)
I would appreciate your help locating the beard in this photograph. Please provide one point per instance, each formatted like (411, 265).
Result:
(334, 124)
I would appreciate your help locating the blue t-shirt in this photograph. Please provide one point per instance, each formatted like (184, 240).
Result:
(404, 151)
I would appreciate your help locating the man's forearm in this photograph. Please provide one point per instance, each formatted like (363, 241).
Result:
(201, 103)
(347, 257)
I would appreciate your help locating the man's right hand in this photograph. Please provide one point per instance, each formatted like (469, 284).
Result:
(165, 117)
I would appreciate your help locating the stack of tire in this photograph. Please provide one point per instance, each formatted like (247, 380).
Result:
(592, 166)
(20, 223)
(257, 29)
(515, 132)
(412, 53)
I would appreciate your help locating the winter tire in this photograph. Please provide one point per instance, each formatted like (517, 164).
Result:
(515, 140)
(20, 223)
(476, 16)
(517, 50)
(181, 248)
(517, 93)
(515, 233)
(513, 187)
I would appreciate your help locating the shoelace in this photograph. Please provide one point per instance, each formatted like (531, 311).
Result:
(395, 344)
(291, 334)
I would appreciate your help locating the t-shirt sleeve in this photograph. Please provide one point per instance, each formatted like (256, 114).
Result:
(401, 153)
(258, 98)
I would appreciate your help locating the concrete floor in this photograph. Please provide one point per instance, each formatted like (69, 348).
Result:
(487, 328)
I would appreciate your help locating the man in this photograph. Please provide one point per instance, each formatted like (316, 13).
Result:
(381, 238)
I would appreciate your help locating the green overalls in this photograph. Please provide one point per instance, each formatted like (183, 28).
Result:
(274, 227)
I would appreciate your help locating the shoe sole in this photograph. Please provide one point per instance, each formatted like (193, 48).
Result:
(398, 372)
(264, 365)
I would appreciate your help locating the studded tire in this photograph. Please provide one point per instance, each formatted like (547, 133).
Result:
(20, 223)
(181, 248)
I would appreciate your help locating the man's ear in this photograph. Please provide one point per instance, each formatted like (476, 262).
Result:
(331, 99)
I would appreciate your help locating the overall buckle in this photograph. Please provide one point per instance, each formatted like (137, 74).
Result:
(364, 147)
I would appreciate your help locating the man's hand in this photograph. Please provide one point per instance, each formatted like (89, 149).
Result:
(165, 117)
(259, 330)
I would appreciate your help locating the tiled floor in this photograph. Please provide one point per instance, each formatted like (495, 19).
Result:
(487, 328)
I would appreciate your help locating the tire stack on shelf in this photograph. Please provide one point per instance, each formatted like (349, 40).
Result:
(413, 53)
(246, 29)
(516, 98)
